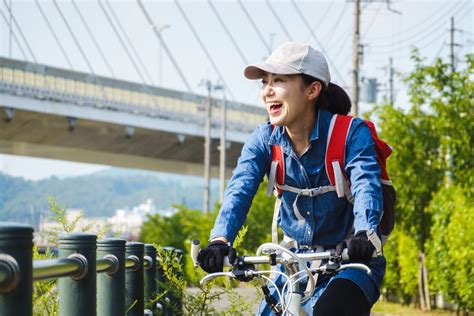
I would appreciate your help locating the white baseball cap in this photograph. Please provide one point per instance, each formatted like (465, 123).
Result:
(292, 58)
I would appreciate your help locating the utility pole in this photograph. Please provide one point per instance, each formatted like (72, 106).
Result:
(355, 59)
(207, 146)
(222, 145)
(390, 81)
(452, 44)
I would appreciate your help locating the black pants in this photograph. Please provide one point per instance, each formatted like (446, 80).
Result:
(342, 298)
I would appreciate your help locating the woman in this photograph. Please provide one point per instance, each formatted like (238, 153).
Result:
(300, 101)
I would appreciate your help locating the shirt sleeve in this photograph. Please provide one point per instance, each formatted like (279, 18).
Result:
(364, 174)
(252, 165)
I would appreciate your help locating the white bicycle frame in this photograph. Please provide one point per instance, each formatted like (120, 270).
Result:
(290, 298)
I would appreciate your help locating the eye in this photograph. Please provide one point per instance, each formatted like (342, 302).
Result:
(278, 79)
(264, 82)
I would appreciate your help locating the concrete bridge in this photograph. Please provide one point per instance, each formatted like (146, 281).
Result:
(55, 113)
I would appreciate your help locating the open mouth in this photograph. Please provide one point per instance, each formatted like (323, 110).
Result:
(274, 107)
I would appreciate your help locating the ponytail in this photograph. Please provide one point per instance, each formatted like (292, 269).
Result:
(332, 98)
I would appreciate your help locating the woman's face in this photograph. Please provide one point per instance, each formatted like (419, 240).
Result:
(287, 99)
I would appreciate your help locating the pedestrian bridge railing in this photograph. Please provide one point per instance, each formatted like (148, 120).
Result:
(105, 277)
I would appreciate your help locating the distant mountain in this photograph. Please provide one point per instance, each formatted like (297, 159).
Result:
(98, 194)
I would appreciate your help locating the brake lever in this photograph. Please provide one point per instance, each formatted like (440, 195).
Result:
(358, 266)
(215, 275)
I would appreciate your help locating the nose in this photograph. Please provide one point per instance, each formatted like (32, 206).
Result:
(267, 90)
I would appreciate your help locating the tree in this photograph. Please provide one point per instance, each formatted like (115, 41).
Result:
(432, 143)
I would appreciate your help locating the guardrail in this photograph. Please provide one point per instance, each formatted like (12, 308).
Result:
(103, 277)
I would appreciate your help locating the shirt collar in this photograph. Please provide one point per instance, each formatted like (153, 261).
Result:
(280, 137)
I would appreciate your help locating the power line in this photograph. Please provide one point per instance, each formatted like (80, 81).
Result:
(421, 33)
(262, 39)
(417, 38)
(321, 21)
(163, 44)
(216, 69)
(279, 20)
(338, 20)
(317, 40)
(117, 20)
(92, 37)
(51, 29)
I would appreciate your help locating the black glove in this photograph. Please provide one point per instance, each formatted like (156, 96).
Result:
(211, 258)
(359, 247)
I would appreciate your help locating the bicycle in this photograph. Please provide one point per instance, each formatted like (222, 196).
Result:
(296, 270)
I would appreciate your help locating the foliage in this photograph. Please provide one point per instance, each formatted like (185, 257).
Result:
(432, 148)
(402, 269)
(450, 251)
(174, 296)
(45, 295)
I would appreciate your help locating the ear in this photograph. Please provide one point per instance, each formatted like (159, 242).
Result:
(314, 89)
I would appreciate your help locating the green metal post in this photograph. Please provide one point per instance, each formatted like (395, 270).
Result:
(134, 280)
(178, 300)
(111, 284)
(150, 276)
(77, 294)
(16, 290)
(160, 280)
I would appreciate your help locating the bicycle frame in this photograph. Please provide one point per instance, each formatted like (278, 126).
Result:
(296, 269)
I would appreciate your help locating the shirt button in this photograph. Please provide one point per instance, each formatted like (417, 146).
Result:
(309, 232)
(307, 213)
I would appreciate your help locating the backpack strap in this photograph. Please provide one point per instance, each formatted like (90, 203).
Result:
(276, 176)
(335, 154)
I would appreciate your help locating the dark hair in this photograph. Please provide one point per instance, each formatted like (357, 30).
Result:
(332, 98)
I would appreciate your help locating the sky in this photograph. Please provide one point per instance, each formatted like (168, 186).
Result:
(326, 25)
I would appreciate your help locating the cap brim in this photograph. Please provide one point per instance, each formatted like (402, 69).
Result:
(256, 71)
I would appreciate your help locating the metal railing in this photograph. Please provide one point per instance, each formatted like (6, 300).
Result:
(105, 277)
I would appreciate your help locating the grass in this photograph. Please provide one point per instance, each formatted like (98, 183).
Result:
(392, 309)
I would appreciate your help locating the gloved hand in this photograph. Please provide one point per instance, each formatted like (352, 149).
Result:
(211, 258)
(359, 247)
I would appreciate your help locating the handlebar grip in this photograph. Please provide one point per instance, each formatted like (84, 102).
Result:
(345, 254)
(195, 252)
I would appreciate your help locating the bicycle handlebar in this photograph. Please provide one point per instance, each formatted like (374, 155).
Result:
(310, 256)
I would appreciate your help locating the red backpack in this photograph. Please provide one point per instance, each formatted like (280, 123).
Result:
(339, 181)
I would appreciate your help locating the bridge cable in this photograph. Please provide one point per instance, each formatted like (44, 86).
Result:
(230, 35)
(163, 44)
(51, 29)
(317, 40)
(228, 32)
(216, 69)
(91, 69)
(264, 42)
(14, 36)
(279, 20)
(21, 32)
(96, 44)
(127, 38)
(122, 42)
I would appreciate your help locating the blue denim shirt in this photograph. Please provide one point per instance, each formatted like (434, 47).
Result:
(328, 219)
